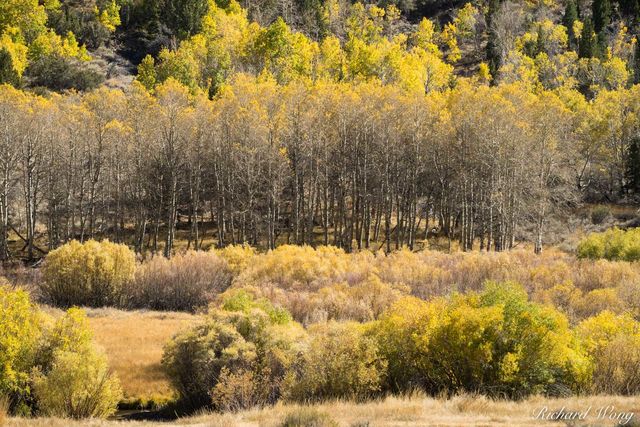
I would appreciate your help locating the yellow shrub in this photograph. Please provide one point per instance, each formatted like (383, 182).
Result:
(598, 300)
(496, 342)
(297, 267)
(237, 256)
(71, 378)
(20, 328)
(340, 362)
(89, 274)
(78, 385)
(613, 344)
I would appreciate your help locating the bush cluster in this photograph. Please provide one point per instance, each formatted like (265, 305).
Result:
(613, 244)
(183, 283)
(317, 285)
(495, 342)
(237, 358)
(51, 367)
(89, 274)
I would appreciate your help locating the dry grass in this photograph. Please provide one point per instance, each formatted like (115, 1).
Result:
(4, 408)
(394, 412)
(133, 341)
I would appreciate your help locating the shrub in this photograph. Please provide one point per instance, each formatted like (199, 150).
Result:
(78, 385)
(184, 282)
(59, 73)
(495, 342)
(613, 244)
(51, 365)
(237, 256)
(71, 378)
(599, 214)
(20, 329)
(613, 343)
(340, 362)
(235, 359)
(308, 417)
(297, 268)
(89, 274)
(598, 300)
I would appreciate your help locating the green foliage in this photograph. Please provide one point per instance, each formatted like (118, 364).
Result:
(341, 362)
(243, 301)
(53, 367)
(570, 16)
(8, 74)
(90, 274)
(599, 214)
(633, 161)
(77, 386)
(59, 73)
(613, 244)
(147, 73)
(183, 17)
(588, 46)
(495, 342)
(601, 12)
(234, 360)
(308, 417)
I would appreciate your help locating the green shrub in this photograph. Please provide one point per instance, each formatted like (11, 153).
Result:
(234, 360)
(308, 417)
(20, 329)
(340, 362)
(90, 274)
(495, 342)
(183, 283)
(599, 214)
(60, 73)
(613, 244)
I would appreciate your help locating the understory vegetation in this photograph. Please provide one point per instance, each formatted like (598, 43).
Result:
(298, 324)
(51, 367)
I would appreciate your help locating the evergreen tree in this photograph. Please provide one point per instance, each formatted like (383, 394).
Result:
(636, 64)
(633, 166)
(494, 58)
(601, 15)
(7, 73)
(587, 47)
(570, 16)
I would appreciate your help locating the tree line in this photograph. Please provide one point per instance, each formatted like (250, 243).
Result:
(352, 165)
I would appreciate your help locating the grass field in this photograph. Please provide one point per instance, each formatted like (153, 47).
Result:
(133, 341)
(395, 412)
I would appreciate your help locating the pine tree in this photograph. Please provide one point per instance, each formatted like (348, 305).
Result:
(494, 58)
(570, 16)
(633, 166)
(601, 15)
(636, 64)
(7, 73)
(587, 47)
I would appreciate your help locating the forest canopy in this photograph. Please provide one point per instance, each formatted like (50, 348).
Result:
(361, 125)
